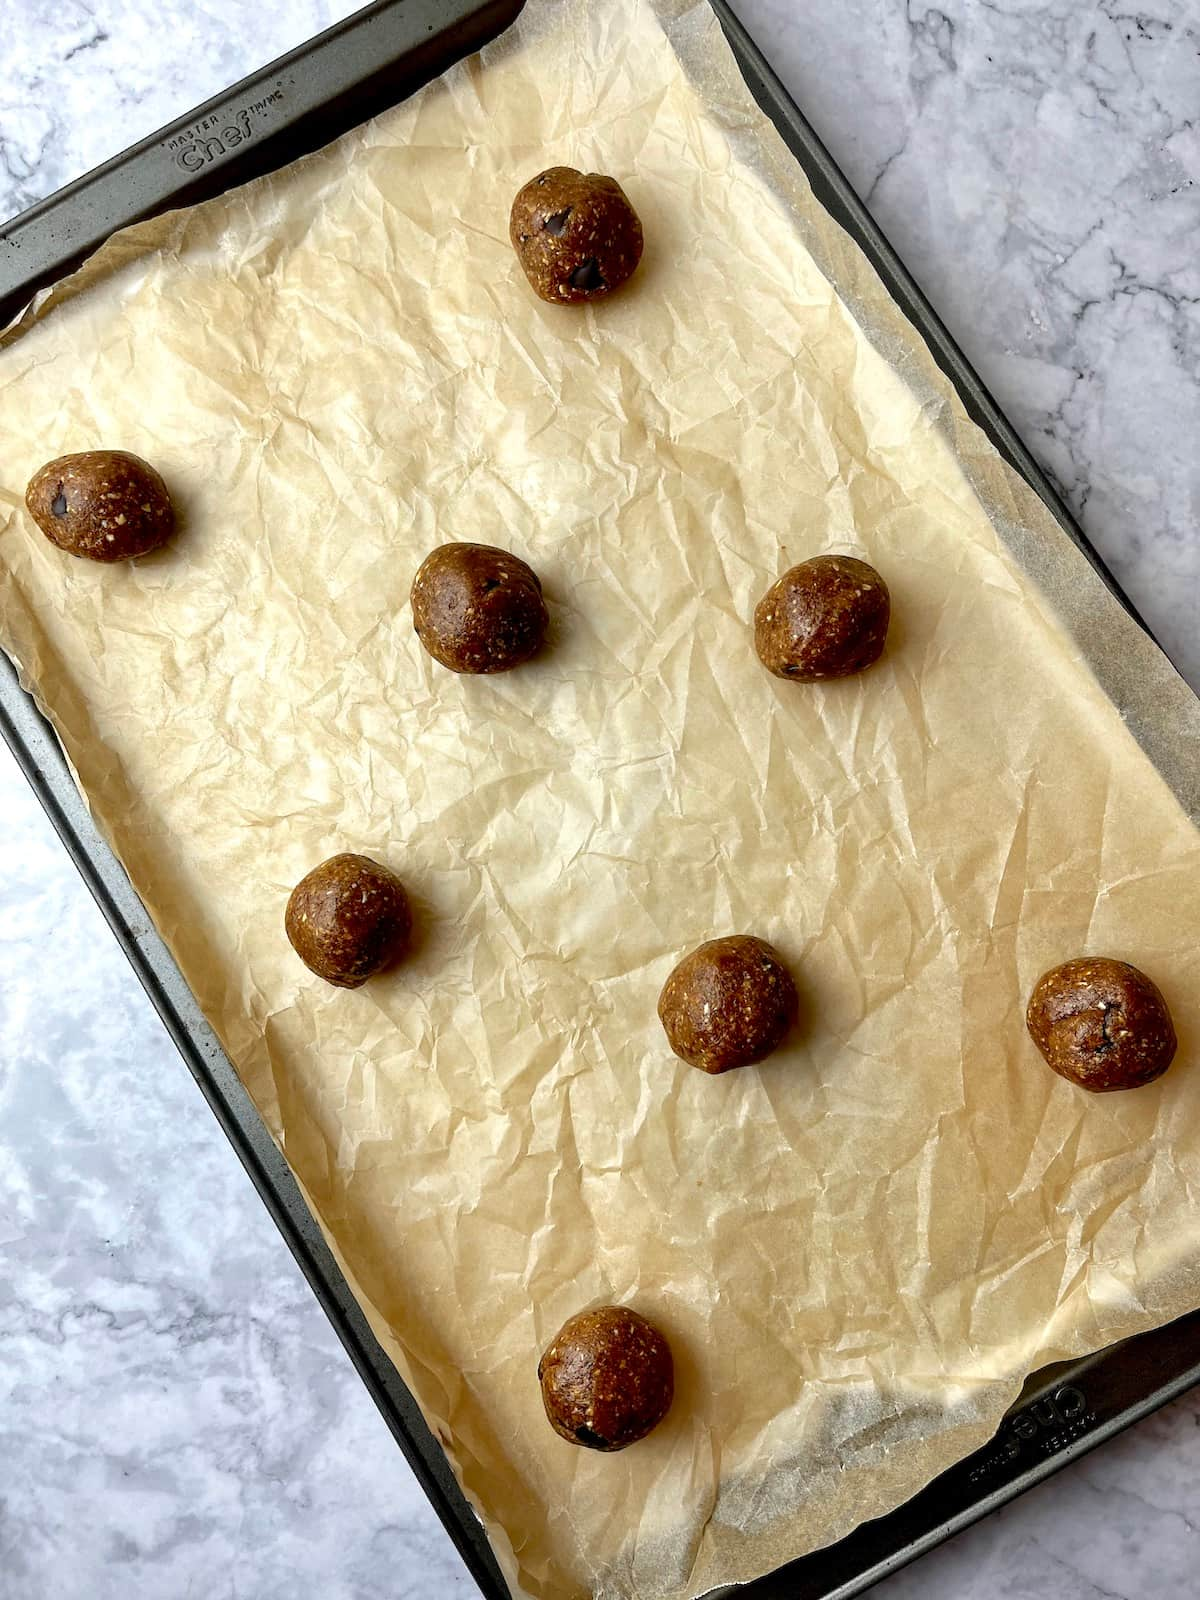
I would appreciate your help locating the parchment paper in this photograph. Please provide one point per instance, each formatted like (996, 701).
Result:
(858, 1249)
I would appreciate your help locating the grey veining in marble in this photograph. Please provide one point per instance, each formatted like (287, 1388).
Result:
(1037, 165)
(176, 1417)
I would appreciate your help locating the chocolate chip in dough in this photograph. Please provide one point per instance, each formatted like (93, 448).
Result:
(575, 234)
(826, 618)
(607, 1378)
(477, 609)
(1101, 1024)
(103, 505)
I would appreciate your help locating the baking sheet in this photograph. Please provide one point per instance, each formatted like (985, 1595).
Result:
(861, 1247)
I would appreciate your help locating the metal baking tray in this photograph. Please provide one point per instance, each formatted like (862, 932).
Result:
(372, 60)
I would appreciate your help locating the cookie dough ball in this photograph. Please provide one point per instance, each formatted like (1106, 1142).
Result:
(575, 234)
(826, 618)
(1101, 1024)
(728, 1004)
(607, 1378)
(478, 609)
(348, 919)
(106, 505)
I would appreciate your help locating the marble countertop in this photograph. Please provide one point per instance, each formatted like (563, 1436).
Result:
(176, 1415)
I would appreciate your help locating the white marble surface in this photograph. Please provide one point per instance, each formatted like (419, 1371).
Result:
(176, 1417)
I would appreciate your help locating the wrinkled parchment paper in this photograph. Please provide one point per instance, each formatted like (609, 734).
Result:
(858, 1249)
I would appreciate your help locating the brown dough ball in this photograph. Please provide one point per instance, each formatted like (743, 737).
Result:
(575, 234)
(478, 609)
(1101, 1024)
(826, 618)
(348, 919)
(106, 505)
(607, 1378)
(728, 1004)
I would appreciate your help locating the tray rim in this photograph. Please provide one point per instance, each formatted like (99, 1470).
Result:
(876, 1548)
(367, 61)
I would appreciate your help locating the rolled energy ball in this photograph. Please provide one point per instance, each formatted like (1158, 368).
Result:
(1101, 1024)
(826, 618)
(478, 609)
(348, 919)
(576, 235)
(727, 1004)
(607, 1378)
(105, 505)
